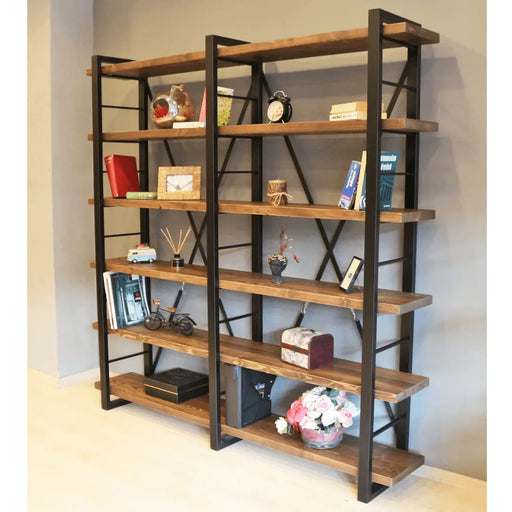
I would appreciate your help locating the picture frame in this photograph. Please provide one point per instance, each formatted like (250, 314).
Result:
(177, 183)
(351, 274)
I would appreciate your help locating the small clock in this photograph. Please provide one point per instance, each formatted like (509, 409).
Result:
(280, 108)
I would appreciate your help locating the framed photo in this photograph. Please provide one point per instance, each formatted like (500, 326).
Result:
(351, 274)
(179, 182)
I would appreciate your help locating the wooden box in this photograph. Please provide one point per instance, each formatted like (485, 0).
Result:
(176, 385)
(307, 348)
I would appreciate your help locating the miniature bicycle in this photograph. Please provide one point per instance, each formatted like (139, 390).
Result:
(180, 322)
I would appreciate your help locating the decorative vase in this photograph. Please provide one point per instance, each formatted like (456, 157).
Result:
(277, 264)
(322, 439)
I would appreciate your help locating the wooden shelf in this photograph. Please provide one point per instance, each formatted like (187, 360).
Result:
(325, 127)
(306, 211)
(390, 385)
(293, 288)
(390, 465)
(399, 125)
(130, 386)
(195, 345)
(330, 43)
(190, 205)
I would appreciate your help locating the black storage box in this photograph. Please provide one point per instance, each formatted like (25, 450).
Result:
(176, 385)
(247, 395)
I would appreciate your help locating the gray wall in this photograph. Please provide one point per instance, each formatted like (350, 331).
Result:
(450, 335)
(448, 418)
(60, 230)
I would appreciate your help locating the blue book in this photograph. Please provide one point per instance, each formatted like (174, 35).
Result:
(388, 164)
(349, 190)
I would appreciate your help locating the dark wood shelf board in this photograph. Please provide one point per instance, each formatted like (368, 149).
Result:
(390, 385)
(326, 127)
(390, 465)
(293, 288)
(195, 345)
(399, 125)
(130, 386)
(330, 43)
(306, 211)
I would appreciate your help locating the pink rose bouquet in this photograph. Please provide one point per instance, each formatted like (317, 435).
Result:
(319, 408)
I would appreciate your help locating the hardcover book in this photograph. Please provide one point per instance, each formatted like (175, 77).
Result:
(349, 190)
(126, 299)
(351, 106)
(122, 174)
(388, 165)
(109, 296)
(360, 182)
(356, 114)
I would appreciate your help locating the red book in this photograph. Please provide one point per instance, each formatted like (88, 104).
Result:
(122, 174)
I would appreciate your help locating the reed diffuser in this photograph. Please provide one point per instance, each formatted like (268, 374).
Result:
(177, 261)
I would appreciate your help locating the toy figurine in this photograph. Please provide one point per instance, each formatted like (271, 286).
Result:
(141, 253)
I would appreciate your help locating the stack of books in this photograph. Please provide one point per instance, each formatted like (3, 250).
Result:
(351, 110)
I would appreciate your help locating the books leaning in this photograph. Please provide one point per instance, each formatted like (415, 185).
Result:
(126, 297)
(388, 166)
(349, 190)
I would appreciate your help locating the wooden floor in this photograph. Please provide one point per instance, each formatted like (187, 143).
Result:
(81, 458)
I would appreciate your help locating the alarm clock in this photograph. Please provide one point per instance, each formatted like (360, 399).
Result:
(280, 108)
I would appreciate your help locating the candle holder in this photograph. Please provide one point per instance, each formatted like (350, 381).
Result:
(277, 193)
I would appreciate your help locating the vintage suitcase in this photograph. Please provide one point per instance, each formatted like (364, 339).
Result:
(176, 385)
(307, 348)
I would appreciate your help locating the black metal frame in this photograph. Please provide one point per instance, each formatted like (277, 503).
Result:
(99, 217)
(408, 81)
(367, 489)
(213, 179)
(399, 419)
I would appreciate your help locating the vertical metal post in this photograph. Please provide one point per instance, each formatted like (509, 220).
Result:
(144, 212)
(409, 234)
(256, 196)
(99, 229)
(371, 254)
(212, 240)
